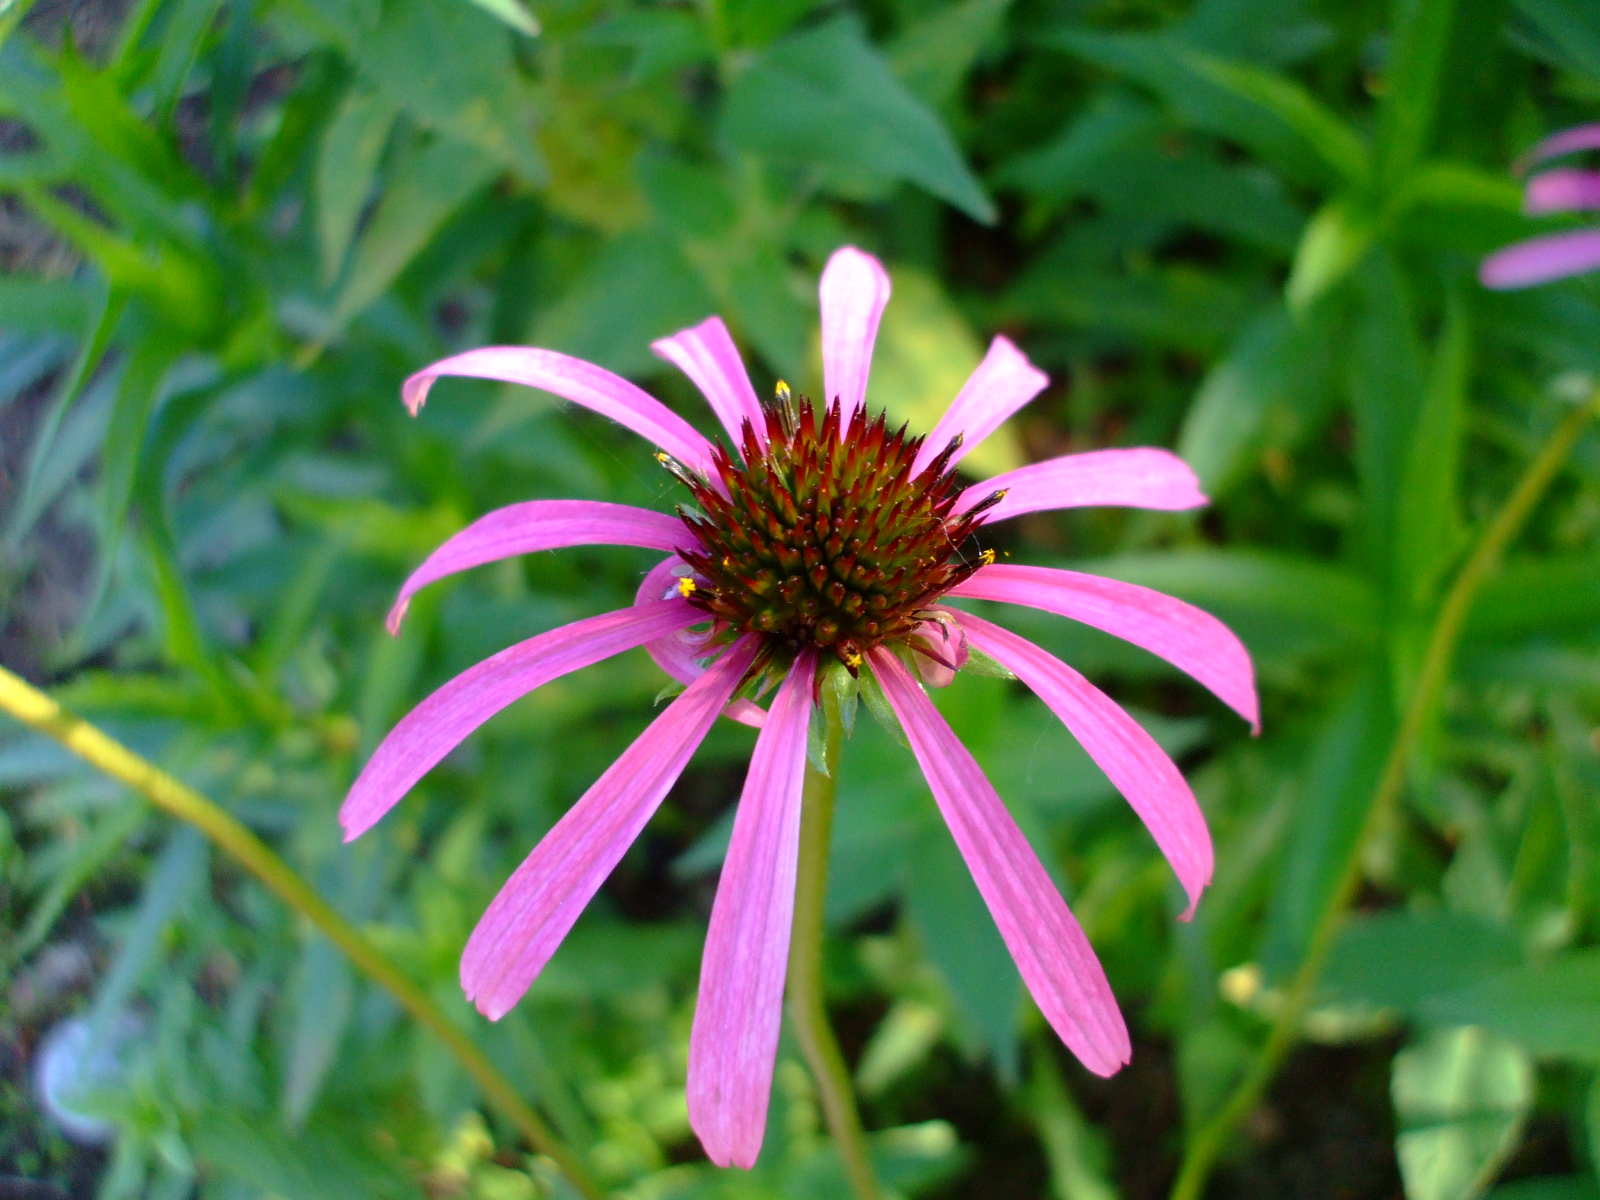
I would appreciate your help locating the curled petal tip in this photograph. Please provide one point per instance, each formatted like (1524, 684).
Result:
(414, 392)
(397, 614)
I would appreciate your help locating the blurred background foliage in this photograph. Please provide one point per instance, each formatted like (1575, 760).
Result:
(1246, 229)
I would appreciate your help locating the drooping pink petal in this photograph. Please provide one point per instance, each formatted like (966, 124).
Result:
(707, 355)
(854, 291)
(1564, 189)
(679, 654)
(1139, 478)
(1128, 755)
(436, 726)
(1568, 141)
(1189, 639)
(1541, 260)
(582, 383)
(541, 525)
(1057, 963)
(940, 650)
(525, 923)
(1004, 381)
(734, 1042)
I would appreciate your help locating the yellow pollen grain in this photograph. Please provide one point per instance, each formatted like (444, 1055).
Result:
(686, 587)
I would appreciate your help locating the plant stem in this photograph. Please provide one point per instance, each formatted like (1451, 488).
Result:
(32, 707)
(806, 1008)
(1207, 1144)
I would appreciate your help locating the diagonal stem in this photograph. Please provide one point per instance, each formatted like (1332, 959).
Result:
(32, 707)
(1212, 1138)
(807, 1011)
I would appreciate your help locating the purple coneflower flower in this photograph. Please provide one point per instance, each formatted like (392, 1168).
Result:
(822, 542)
(1560, 189)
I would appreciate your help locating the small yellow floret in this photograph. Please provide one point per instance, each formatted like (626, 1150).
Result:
(686, 587)
(852, 660)
(663, 457)
(988, 558)
(783, 391)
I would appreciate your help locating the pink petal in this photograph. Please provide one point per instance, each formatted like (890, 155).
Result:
(436, 726)
(1128, 755)
(1563, 189)
(1139, 478)
(1191, 640)
(541, 525)
(1568, 141)
(525, 923)
(707, 355)
(1004, 381)
(679, 654)
(854, 290)
(734, 1043)
(582, 383)
(1541, 259)
(1057, 962)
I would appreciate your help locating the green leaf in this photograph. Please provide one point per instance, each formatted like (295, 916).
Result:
(347, 168)
(1428, 530)
(1269, 114)
(1339, 146)
(1334, 242)
(45, 305)
(514, 13)
(1330, 805)
(1569, 31)
(450, 66)
(427, 187)
(1547, 1007)
(1418, 45)
(1400, 959)
(960, 940)
(137, 392)
(1278, 374)
(323, 998)
(933, 53)
(1538, 598)
(1461, 1096)
(185, 25)
(844, 113)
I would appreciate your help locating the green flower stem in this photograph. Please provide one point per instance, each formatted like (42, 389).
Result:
(32, 707)
(806, 1008)
(1212, 1138)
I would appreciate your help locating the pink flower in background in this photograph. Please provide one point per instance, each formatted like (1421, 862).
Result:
(1557, 190)
(821, 541)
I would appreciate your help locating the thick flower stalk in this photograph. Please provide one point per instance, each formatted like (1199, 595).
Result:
(818, 541)
(1553, 190)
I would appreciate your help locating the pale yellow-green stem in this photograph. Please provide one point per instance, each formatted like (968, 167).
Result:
(32, 707)
(807, 1011)
(1212, 1138)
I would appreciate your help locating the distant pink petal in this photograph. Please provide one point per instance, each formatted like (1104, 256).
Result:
(436, 726)
(854, 290)
(541, 525)
(1138, 478)
(734, 1042)
(1564, 189)
(1128, 755)
(1191, 640)
(525, 923)
(582, 383)
(1004, 381)
(1541, 260)
(1057, 963)
(679, 654)
(707, 355)
(1568, 141)
(941, 650)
